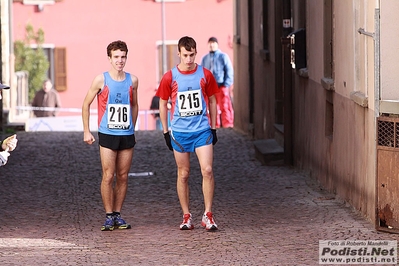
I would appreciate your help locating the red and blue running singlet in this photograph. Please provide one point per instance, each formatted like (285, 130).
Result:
(189, 92)
(114, 106)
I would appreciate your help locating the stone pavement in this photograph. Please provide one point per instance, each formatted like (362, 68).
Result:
(51, 209)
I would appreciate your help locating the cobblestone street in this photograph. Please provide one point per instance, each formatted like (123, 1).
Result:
(268, 215)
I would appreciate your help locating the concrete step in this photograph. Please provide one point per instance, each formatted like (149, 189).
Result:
(269, 152)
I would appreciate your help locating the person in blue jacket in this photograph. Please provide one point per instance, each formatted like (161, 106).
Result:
(220, 65)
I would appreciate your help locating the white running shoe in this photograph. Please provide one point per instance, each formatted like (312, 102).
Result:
(208, 222)
(186, 224)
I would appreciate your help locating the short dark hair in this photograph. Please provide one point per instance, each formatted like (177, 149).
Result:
(47, 80)
(116, 45)
(213, 39)
(188, 43)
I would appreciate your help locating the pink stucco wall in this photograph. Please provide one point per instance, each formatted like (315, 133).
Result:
(86, 27)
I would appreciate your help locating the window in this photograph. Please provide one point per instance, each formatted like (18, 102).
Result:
(57, 71)
(60, 73)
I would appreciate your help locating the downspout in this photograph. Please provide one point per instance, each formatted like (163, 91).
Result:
(377, 97)
(377, 65)
(10, 31)
(164, 68)
(377, 93)
(251, 126)
(287, 85)
(1, 68)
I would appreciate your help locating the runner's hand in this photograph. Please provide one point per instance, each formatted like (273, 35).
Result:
(88, 138)
(10, 143)
(215, 138)
(168, 140)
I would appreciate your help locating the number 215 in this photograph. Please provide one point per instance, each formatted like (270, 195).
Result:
(192, 99)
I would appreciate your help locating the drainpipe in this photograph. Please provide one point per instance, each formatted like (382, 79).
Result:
(377, 67)
(163, 38)
(377, 54)
(377, 93)
(377, 97)
(1, 69)
(251, 69)
(287, 83)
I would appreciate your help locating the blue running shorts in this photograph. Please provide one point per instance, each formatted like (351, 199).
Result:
(189, 141)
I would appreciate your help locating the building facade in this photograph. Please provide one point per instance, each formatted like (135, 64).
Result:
(78, 32)
(322, 75)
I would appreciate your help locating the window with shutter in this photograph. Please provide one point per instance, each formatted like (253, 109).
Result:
(57, 71)
(60, 69)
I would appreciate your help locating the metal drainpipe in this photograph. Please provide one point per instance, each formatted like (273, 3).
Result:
(251, 127)
(164, 67)
(377, 66)
(377, 92)
(287, 86)
(377, 96)
(1, 73)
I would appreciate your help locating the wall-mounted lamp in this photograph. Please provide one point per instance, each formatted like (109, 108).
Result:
(39, 4)
(40, 7)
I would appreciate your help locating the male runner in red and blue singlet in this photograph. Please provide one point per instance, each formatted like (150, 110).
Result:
(191, 89)
(116, 92)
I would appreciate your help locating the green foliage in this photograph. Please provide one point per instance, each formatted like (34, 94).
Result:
(32, 60)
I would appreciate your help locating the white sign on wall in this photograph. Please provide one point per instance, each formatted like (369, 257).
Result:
(59, 123)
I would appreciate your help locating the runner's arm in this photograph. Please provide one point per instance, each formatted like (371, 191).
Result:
(95, 87)
(163, 114)
(213, 110)
(164, 92)
(135, 105)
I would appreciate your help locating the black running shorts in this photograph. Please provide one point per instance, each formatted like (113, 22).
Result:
(116, 142)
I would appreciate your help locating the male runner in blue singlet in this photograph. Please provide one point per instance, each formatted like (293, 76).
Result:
(116, 92)
(191, 89)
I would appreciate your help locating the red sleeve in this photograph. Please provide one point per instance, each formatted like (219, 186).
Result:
(165, 86)
(211, 85)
